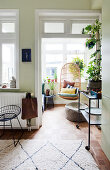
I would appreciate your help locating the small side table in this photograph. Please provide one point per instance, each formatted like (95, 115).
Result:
(49, 101)
(89, 112)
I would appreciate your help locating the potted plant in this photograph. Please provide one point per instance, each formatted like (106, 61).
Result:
(51, 86)
(94, 68)
(55, 76)
(80, 63)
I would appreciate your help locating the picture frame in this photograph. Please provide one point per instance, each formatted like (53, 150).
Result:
(26, 55)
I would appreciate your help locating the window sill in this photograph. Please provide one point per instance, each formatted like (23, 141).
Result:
(9, 88)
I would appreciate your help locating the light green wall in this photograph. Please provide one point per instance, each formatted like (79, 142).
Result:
(27, 29)
(96, 4)
(106, 77)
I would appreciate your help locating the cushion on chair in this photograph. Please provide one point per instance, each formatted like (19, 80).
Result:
(65, 83)
(68, 86)
(68, 90)
(68, 95)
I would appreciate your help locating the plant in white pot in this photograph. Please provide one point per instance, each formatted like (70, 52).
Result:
(94, 68)
(51, 86)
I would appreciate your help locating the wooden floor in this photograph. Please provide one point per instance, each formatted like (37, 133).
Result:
(56, 126)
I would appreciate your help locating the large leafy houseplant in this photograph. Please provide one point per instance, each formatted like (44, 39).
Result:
(94, 68)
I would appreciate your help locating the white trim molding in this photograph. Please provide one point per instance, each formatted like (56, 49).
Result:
(11, 15)
(54, 15)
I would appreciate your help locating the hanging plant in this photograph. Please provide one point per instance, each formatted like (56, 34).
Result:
(80, 64)
(90, 43)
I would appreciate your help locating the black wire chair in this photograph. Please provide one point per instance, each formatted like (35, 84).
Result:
(7, 113)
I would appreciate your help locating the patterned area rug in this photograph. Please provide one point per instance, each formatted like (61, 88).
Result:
(45, 155)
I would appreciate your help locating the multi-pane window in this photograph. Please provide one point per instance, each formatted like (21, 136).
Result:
(53, 27)
(8, 47)
(77, 26)
(57, 52)
(8, 27)
(62, 41)
(8, 64)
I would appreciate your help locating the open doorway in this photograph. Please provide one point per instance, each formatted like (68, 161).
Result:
(56, 52)
(60, 27)
(59, 40)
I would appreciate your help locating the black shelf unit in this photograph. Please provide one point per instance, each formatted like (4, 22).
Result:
(91, 114)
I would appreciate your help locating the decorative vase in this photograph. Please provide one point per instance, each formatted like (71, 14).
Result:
(55, 80)
(13, 82)
(47, 92)
(52, 92)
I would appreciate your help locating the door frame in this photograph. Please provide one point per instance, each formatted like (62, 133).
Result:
(38, 60)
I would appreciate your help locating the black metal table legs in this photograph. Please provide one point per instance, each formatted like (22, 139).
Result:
(78, 110)
(88, 147)
(3, 130)
(89, 114)
(16, 142)
(22, 131)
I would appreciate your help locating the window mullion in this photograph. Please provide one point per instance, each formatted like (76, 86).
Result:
(67, 27)
(64, 53)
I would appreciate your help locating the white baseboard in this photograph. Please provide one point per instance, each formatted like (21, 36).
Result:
(32, 127)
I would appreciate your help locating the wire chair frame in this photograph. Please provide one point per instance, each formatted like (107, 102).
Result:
(8, 113)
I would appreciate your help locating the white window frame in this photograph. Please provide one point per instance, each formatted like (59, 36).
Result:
(10, 16)
(59, 15)
(63, 51)
(54, 21)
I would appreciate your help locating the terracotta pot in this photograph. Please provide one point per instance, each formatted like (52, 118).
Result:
(47, 92)
(56, 80)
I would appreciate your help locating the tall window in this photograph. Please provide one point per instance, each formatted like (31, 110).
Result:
(62, 41)
(58, 51)
(9, 63)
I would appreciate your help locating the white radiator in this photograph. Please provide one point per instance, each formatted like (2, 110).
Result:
(7, 98)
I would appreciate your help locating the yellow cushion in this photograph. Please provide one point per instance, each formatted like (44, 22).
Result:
(68, 90)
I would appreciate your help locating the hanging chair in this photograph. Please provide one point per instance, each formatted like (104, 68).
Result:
(70, 81)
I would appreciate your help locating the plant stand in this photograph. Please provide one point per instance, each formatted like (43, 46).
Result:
(49, 101)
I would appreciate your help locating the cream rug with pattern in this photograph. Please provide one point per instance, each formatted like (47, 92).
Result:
(45, 155)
